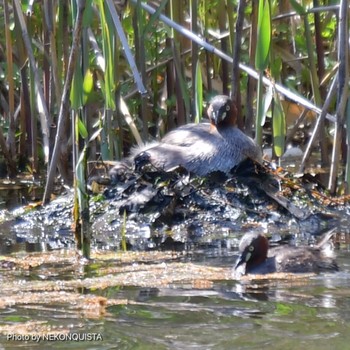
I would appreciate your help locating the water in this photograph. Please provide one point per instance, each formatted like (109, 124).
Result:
(52, 299)
(278, 316)
(309, 312)
(18, 192)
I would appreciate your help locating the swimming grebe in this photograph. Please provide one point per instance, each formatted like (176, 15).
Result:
(202, 148)
(256, 257)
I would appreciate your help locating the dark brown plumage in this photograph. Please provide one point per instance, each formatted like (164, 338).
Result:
(256, 257)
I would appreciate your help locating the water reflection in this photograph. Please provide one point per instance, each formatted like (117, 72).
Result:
(312, 311)
(17, 193)
(60, 296)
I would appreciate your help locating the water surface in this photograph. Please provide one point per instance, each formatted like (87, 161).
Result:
(50, 298)
(192, 313)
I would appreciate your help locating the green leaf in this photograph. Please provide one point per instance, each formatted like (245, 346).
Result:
(75, 92)
(199, 93)
(279, 126)
(155, 16)
(88, 85)
(80, 176)
(82, 129)
(260, 117)
(123, 233)
(347, 166)
(108, 46)
(264, 35)
(297, 7)
(276, 67)
(88, 14)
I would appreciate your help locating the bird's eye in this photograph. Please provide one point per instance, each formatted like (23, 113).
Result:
(251, 248)
(228, 108)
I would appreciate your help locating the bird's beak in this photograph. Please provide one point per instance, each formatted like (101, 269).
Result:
(215, 116)
(242, 259)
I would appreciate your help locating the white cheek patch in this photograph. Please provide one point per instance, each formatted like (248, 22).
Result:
(223, 115)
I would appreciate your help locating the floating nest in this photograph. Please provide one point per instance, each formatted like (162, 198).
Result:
(152, 209)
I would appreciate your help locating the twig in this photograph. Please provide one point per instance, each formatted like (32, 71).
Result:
(321, 117)
(250, 71)
(42, 108)
(65, 100)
